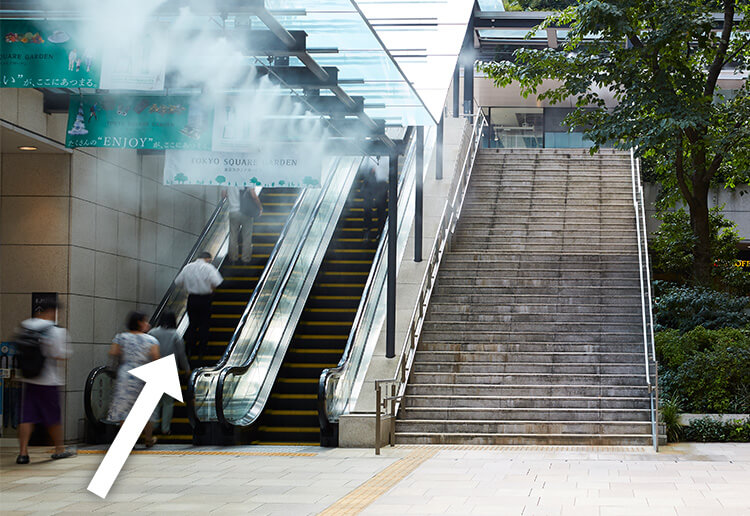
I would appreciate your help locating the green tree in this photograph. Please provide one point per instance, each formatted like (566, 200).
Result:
(661, 60)
(221, 179)
(180, 178)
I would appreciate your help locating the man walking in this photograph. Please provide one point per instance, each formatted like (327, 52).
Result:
(40, 399)
(244, 207)
(199, 278)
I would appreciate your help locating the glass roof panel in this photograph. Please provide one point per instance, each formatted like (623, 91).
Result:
(365, 66)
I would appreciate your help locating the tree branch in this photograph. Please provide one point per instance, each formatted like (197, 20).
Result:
(680, 169)
(715, 69)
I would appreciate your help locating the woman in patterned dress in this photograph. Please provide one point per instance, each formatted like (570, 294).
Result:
(132, 349)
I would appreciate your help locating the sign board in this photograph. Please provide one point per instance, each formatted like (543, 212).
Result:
(41, 54)
(268, 166)
(38, 298)
(51, 54)
(137, 122)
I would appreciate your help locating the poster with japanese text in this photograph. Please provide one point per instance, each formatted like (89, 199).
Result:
(37, 54)
(138, 122)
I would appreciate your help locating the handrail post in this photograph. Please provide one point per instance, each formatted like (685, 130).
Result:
(377, 418)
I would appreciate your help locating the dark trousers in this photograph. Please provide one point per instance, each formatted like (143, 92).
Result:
(199, 314)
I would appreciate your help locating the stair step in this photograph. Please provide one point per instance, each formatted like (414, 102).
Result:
(524, 427)
(491, 439)
(535, 379)
(526, 390)
(529, 347)
(512, 403)
(546, 357)
(539, 368)
(548, 414)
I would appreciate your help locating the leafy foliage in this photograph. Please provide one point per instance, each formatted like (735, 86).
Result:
(661, 60)
(711, 381)
(670, 415)
(673, 243)
(685, 308)
(708, 430)
(538, 5)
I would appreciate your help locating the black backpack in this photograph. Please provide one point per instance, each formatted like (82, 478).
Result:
(248, 206)
(29, 348)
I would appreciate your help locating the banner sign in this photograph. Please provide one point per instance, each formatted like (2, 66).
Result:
(269, 166)
(138, 122)
(37, 54)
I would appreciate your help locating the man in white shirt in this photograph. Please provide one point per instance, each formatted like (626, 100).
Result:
(199, 278)
(241, 224)
(40, 401)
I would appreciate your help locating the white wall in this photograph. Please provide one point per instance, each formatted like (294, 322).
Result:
(96, 226)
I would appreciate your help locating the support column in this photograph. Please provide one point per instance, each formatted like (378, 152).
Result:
(469, 87)
(457, 91)
(418, 197)
(439, 150)
(390, 331)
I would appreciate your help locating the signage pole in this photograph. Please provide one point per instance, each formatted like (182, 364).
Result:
(418, 197)
(457, 90)
(390, 334)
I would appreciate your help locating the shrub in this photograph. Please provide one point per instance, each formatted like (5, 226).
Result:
(711, 381)
(674, 348)
(685, 308)
(709, 430)
(670, 416)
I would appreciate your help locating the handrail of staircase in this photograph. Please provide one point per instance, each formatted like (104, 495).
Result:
(647, 316)
(192, 415)
(326, 414)
(446, 228)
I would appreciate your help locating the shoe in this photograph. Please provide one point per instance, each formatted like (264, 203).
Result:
(64, 455)
(151, 443)
(22, 459)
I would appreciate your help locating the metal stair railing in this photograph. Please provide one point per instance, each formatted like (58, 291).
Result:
(647, 314)
(396, 387)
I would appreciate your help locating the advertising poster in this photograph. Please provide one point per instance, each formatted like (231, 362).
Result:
(138, 122)
(270, 166)
(38, 54)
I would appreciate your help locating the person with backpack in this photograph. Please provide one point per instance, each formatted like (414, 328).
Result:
(170, 342)
(244, 207)
(43, 347)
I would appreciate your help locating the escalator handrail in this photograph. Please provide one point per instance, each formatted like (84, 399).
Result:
(329, 372)
(192, 416)
(89, 387)
(241, 369)
(190, 257)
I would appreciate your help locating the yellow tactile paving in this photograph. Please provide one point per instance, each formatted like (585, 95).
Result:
(528, 448)
(356, 501)
(205, 452)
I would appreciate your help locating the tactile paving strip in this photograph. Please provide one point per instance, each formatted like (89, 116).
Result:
(356, 501)
(206, 452)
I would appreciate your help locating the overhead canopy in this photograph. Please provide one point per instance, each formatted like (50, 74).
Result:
(323, 54)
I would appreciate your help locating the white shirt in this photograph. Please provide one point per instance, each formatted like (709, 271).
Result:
(55, 347)
(233, 199)
(199, 277)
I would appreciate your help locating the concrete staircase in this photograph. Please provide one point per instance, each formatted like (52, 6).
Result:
(533, 335)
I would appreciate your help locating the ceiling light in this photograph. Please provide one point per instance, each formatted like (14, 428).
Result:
(27, 148)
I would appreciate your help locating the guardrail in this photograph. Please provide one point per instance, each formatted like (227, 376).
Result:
(647, 315)
(451, 213)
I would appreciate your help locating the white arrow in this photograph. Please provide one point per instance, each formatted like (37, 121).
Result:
(160, 377)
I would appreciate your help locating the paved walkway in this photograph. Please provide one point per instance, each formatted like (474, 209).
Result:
(704, 479)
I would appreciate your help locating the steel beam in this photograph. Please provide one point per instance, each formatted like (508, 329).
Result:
(418, 195)
(390, 333)
(439, 150)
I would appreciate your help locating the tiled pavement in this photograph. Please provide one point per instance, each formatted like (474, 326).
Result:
(704, 479)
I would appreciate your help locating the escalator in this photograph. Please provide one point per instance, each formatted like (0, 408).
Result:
(291, 414)
(228, 304)
(231, 297)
